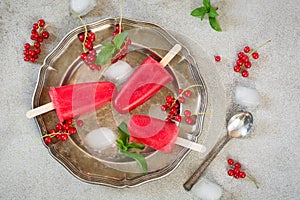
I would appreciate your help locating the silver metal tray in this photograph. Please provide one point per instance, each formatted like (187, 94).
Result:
(63, 66)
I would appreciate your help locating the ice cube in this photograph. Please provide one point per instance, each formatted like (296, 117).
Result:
(100, 139)
(82, 7)
(118, 72)
(246, 96)
(207, 190)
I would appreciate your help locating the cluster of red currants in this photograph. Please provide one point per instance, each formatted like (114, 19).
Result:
(121, 53)
(89, 57)
(235, 169)
(172, 107)
(243, 62)
(38, 34)
(61, 132)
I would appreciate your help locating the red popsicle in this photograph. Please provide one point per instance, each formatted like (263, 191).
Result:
(156, 133)
(77, 99)
(146, 80)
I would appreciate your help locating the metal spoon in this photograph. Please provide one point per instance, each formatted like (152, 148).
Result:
(238, 126)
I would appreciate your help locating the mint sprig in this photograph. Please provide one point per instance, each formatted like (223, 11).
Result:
(109, 48)
(210, 11)
(125, 147)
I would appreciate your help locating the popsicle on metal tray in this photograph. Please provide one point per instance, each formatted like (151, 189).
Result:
(145, 81)
(73, 100)
(158, 134)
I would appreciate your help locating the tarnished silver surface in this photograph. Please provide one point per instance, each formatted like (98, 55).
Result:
(63, 66)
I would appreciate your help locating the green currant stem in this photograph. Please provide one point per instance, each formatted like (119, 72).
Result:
(121, 16)
(259, 47)
(200, 113)
(253, 180)
(85, 31)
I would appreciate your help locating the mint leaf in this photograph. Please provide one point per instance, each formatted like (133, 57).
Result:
(121, 144)
(214, 24)
(138, 157)
(119, 39)
(135, 145)
(123, 133)
(107, 44)
(200, 12)
(206, 3)
(105, 55)
(212, 12)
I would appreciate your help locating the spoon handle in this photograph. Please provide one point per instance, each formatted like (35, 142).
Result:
(209, 158)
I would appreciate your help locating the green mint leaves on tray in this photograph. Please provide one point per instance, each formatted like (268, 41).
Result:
(110, 48)
(125, 146)
(211, 12)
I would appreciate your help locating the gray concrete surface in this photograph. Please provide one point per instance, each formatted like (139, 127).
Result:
(271, 154)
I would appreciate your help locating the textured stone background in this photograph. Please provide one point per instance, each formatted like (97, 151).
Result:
(271, 154)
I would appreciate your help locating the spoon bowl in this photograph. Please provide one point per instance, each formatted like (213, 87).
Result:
(238, 126)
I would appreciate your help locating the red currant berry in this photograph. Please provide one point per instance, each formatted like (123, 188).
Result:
(236, 170)
(217, 58)
(83, 56)
(180, 91)
(41, 23)
(255, 55)
(26, 52)
(168, 104)
(245, 58)
(48, 140)
(59, 127)
(247, 49)
(31, 53)
(163, 107)
(242, 174)
(45, 34)
(64, 137)
(187, 113)
(26, 58)
(32, 59)
(37, 50)
(33, 37)
(174, 110)
(66, 127)
(91, 37)
(239, 62)
(247, 64)
(189, 120)
(169, 98)
(52, 131)
(88, 45)
(81, 37)
(69, 121)
(176, 105)
(117, 28)
(230, 172)
(230, 161)
(188, 93)
(240, 55)
(237, 68)
(245, 73)
(181, 99)
(72, 130)
(37, 45)
(237, 176)
(58, 136)
(79, 123)
(237, 165)
(26, 45)
(40, 39)
(178, 118)
(35, 26)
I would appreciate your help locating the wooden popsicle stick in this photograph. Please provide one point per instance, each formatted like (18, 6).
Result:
(40, 110)
(170, 55)
(191, 145)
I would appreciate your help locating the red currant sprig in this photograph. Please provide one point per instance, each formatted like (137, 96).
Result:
(38, 34)
(243, 62)
(236, 171)
(61, 132)
(172, 106)
(122, 52)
